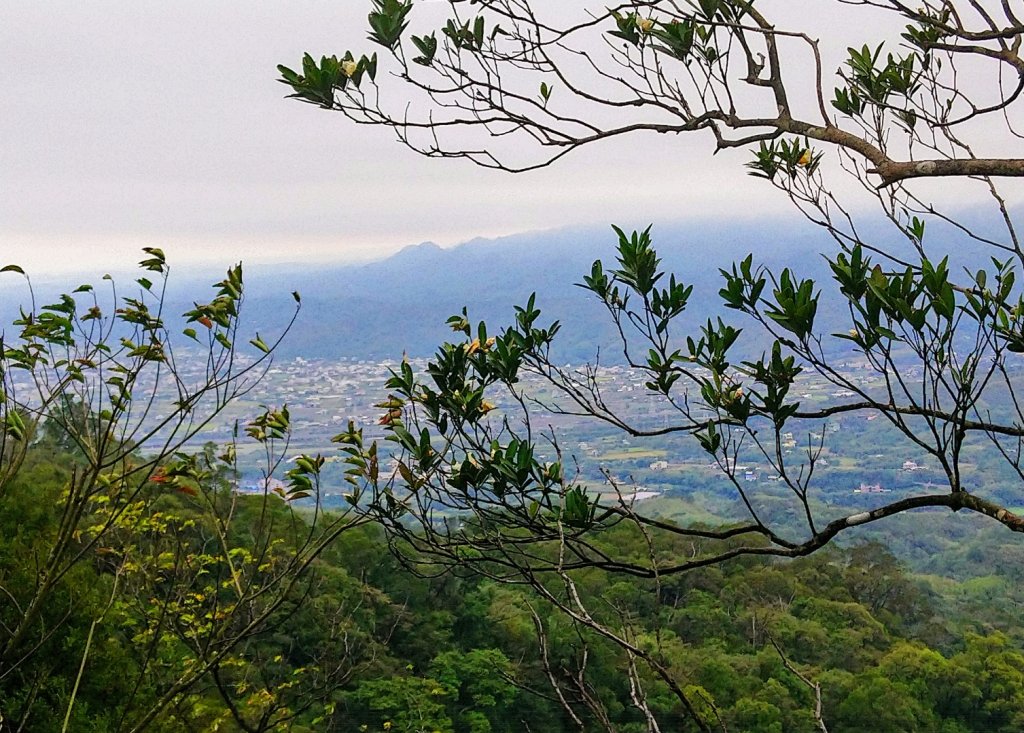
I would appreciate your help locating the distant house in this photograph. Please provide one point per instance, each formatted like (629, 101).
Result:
(659, 465)
(259, 487)
(871, 489)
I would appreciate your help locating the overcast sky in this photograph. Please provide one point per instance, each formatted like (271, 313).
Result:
(125, 124)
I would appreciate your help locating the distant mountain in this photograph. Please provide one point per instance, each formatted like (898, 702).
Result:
(400, 304)
(379, 310)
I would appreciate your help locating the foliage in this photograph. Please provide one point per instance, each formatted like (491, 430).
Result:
(139, 582)
(485, 489)
(371, 644)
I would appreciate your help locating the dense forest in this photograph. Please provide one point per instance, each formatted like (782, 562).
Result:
(364, 643)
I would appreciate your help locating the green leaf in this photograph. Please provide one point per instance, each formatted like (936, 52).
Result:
(259, 344)
(427, 46)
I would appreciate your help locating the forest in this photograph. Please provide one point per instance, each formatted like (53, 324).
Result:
(472, 572)
(145, 590)
(362, 642)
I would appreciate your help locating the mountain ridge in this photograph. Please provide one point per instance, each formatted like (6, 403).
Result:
(380, 309)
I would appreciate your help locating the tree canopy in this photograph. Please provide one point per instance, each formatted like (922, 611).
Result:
(897, 114)
(515, 85)
(564, 77)
(129, 550)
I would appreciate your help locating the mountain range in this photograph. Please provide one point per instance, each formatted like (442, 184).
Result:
(399, 304)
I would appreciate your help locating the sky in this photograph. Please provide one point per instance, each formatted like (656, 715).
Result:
(144, 123)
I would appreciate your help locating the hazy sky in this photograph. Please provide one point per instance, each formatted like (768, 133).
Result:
(125, 124)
